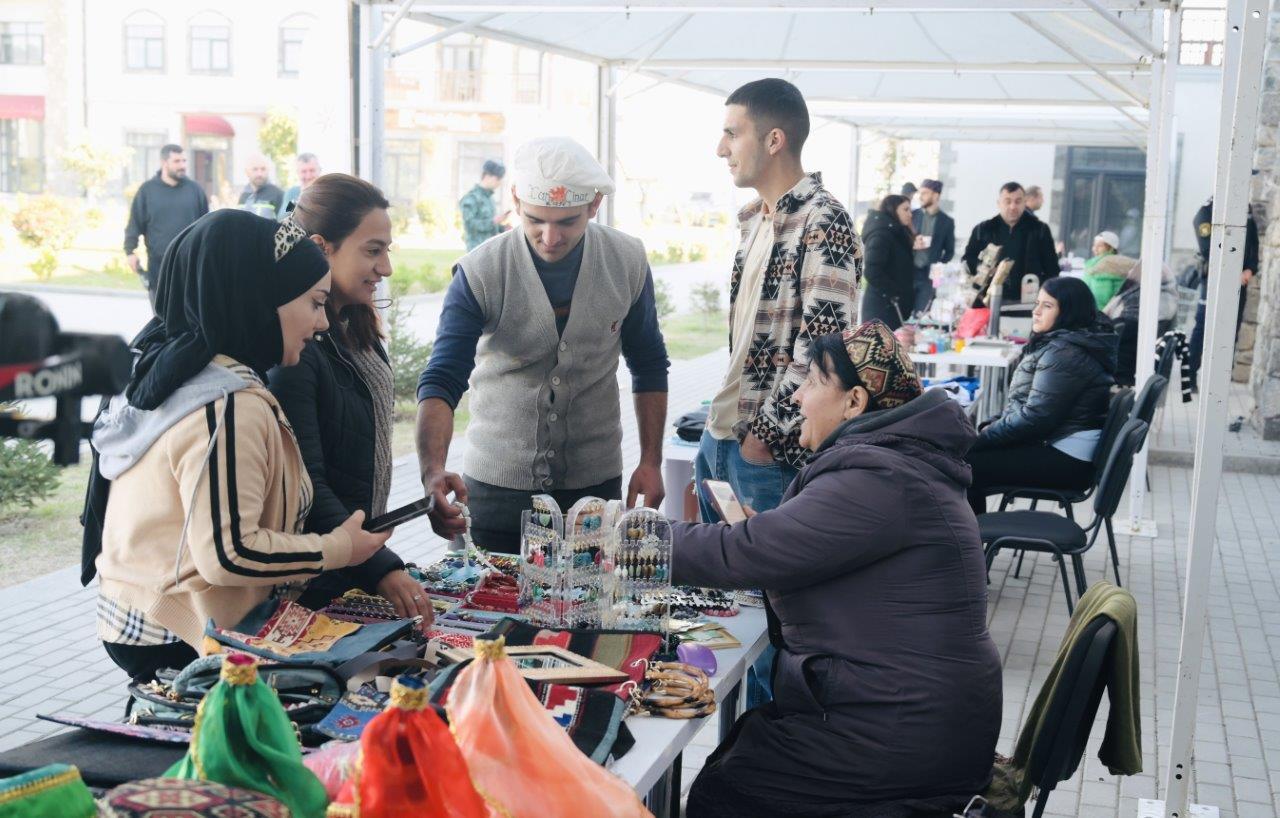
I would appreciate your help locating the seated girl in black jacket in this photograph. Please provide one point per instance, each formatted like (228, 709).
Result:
(1058, 399)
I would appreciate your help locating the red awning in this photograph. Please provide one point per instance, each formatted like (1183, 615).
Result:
(210, 124)
(20, 106)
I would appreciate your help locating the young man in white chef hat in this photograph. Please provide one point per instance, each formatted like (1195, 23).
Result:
(533, 323)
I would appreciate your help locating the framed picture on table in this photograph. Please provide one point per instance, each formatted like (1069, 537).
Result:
(549, 663)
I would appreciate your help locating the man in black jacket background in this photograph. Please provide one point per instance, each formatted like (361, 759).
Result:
(1021, 237)
(162, 208)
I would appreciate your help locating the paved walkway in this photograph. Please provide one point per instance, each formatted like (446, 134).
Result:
(50, 660)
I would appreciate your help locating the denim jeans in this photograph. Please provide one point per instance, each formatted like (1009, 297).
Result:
(759, 486)
(924, 290)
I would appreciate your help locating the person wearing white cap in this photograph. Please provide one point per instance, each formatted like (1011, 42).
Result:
(534, 323)
(1103, 283)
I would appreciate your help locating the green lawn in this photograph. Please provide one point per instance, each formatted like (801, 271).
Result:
(108, 278)
(694, 334)
(35, 541)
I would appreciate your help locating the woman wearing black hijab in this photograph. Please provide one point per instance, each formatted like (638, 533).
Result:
(207, 490)
(1058, 399)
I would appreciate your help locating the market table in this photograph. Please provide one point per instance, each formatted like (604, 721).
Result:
(991, 363)
(652, 766)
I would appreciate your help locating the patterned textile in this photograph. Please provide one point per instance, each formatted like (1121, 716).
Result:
(164, 735)
(1183, 352)
(348, 718)
(295, 629)
(621, 650)
(883, 365)
(121, 624)
(376, 374)
(288, 234)
(810, 288)
(179, 798)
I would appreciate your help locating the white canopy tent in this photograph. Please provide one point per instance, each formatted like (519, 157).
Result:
(1090, 72)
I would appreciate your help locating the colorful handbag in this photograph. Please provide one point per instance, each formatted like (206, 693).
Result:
(284, 631)
(179, 798)
(593, 717)
(242, 738)
(409, 765)
(525, 765)
(55, 791)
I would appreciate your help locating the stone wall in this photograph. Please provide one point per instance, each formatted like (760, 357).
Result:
(1261, 331)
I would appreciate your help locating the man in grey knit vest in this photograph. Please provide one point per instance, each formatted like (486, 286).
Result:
(534, 323)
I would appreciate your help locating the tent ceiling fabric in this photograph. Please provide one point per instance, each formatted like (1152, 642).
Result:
(971, 63)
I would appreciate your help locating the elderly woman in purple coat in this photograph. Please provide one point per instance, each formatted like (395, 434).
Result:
(887, 685)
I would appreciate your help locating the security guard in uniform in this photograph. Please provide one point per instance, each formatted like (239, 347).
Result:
(1204, 228)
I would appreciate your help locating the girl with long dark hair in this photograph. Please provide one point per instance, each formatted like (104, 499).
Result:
(340, 397)
(888, 265)
(1058, 398)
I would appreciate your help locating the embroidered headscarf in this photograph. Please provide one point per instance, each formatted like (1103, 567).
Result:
(218, 288)
(883, 365)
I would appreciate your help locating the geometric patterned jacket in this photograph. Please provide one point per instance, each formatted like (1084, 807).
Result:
(810, 288)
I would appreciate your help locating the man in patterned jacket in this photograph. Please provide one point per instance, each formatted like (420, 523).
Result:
(795, 277)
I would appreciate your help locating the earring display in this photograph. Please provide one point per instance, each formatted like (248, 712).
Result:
(559, 568)
(636, 567)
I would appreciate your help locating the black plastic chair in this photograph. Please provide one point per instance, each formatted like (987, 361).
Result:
(1118, 412)
(1144, 406)
(1050, 533)
(1070, 711)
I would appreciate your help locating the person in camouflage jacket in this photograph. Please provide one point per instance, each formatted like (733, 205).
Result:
(480, 221)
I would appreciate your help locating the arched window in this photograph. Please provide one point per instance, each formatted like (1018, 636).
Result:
(144, 42)
(209, 43)
(293, 32)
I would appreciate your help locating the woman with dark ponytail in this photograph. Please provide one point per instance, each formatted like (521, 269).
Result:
(340, 397)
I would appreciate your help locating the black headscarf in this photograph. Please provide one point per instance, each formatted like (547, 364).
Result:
(219, 286)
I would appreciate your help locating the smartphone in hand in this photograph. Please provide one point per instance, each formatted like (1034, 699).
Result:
(400, 516)
(724, 500)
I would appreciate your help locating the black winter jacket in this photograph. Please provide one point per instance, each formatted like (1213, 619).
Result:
(886, 684)
(1061, 385)
(1029, 244)
(888, 264)
(331, 411)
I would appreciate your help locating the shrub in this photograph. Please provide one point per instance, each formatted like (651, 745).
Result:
(409, 355)
(27, 475)
(46, 223)
(706, 298)
(93, 165)
(657, 257)
(433, 215)
(698, 252)
(675, 253)
(663, 298)
(45, 265)
(400, 221)
(278, 139)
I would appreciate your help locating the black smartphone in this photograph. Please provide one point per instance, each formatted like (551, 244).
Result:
(401, 515)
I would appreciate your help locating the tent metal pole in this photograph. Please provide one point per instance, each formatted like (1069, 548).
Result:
(1155, 222)
(405, 5)
(370, 76)
(1077, 56)
(663, 40)
(607, 136)
(1134, 68)
(1129, 31)
(1244, 45)
(460, 28)
(855, 168)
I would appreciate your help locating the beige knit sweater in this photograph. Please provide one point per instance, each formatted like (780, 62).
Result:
(247, 504)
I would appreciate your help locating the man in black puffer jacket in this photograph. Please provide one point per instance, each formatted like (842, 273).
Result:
(1058, 399)
(1021, 237)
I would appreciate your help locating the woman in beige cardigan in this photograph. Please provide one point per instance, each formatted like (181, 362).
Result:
(208, 492)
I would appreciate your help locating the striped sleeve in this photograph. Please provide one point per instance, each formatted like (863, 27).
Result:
(226, 542)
